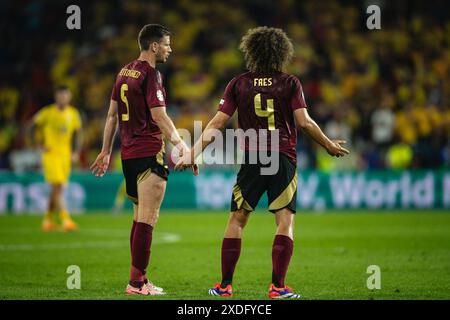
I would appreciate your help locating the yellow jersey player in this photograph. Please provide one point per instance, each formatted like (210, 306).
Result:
(57, 124)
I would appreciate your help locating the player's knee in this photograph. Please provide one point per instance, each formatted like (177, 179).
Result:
(286, 222)
(285, 228)
(239, 218)
(155, 217)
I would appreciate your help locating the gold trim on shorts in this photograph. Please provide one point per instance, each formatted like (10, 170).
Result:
(143, 175)
(133, 199)
(239, 199)
(286, 196)
(160, 155)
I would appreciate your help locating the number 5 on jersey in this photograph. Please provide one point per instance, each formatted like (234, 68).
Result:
(123, 88)
(269, 113)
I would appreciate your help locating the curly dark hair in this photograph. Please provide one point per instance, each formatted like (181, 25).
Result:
(266, 49)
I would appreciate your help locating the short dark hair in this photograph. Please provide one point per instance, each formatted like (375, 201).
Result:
(266, 49)
(61, 87)
(151, 33)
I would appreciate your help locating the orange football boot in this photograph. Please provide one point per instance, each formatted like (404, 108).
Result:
(69, 225)
(223, 292)
(49, 225)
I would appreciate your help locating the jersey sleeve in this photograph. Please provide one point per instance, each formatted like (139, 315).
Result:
(114, 93)
(298, 98)
(154, 90)
(40, 117)
(228, 103)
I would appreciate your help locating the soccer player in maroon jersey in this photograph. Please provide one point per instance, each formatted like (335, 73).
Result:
(265, 98)
(138, 107)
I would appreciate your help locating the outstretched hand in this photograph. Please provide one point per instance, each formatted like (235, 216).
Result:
(336, 150)
(100, 164)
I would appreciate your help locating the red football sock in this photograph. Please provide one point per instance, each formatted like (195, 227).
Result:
(281, 255)
(231, 249)
(136, 277)
(140, 253)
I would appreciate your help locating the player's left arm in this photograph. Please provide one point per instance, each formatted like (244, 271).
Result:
(32, 128)
(305, 122)
(308, 125)
(207, 137)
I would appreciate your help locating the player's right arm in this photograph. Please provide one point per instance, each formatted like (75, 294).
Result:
(32, 127)
(305, 122)
(217, 123)
(101, 164)
(30, 132)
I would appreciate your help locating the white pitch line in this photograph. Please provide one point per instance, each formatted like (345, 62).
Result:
(61, 246)
(87, 231)
(162, 237)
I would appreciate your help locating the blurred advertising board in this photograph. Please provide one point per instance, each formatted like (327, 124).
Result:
(424, 189)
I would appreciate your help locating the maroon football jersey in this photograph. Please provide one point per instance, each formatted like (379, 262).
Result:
(266, 102)
(138, 88)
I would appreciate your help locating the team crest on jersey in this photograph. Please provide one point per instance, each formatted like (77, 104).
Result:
(160, 95)
(222, 101)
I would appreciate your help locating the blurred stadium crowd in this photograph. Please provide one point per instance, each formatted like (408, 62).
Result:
(387, 92)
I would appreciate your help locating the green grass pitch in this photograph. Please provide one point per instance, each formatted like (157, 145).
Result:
(331, 254)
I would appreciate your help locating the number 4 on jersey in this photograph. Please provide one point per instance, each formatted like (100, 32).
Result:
(269, 113)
